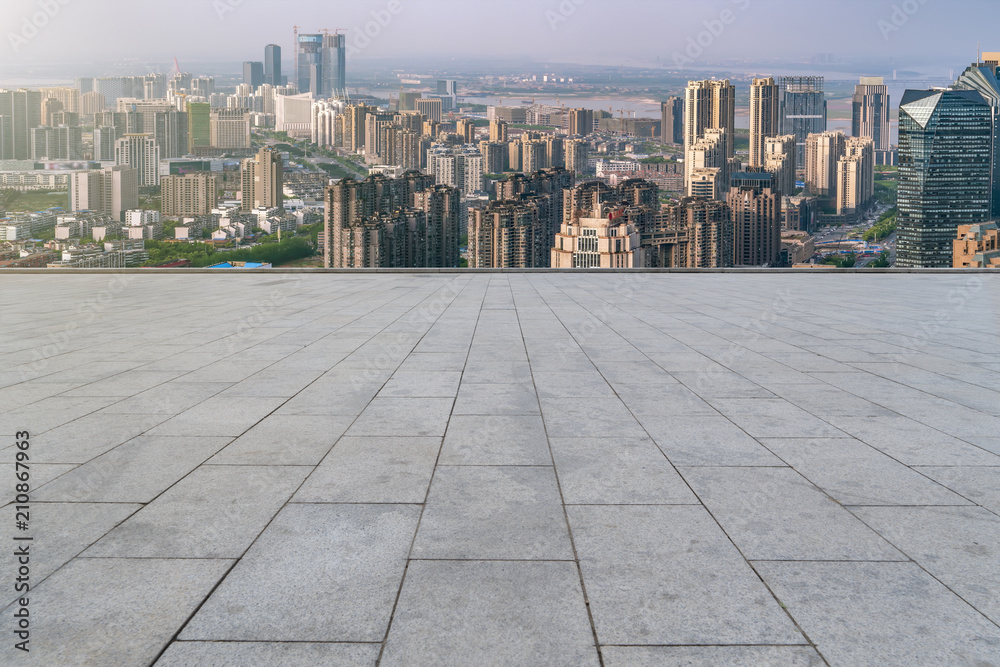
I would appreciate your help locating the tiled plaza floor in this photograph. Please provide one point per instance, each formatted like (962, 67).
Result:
(505, 469)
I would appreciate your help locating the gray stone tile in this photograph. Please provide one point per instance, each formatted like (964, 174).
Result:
(215, 512)
(911, 442)
(497, 371)
(40, 473)
(669, 575)
(721, 384)
(125, 384)
(490, 613)
(496, 440)
(582, 418)
(220, 416)
(855, 474)
(572, 385)
(169, 398)
(334, 397)
(496, 399)
(958, 545)
(337, 569)
(662, 400)
(272, 654)
(373, 470)
(135, 472)
(290, 440)
(881, 613)
(706, 441)
(404, 417)
(422, 384)
(980, 485)
(775, 514)
(717, 656)
(773, 418)
(50, 413)
(60, 531)
(112, 612)
(609, 471)
(81, 440)
(484, 512)
(434, 361)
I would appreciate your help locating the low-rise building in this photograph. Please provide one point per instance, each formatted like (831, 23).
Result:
(977, 247)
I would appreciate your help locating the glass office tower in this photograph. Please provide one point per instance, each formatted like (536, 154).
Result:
(944, 172)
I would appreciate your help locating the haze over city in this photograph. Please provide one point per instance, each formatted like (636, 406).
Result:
(598, 32)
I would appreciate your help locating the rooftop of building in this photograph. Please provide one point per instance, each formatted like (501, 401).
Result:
(448, 468)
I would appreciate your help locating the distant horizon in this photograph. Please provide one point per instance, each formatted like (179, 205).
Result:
(696, 35)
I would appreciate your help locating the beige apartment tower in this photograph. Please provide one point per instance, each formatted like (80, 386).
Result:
(498, 131)
(708, 166)
(605, 239)
(856, 176)
(708, 104)
(823, 150)
(263, 181)
(779, 161)
(763, 117)
(189, 194)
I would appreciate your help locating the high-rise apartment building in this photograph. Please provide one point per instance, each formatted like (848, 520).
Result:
(764, 108)
(508, 235)
(756, 216)
(68, 97)
(693, 233)
(105, 138)
(494, 154)
(189, 194)
(263, 181)
(23, 111)
(229, 128)
(779, 161)
(467, 130)
(856, 176)
(253, 74)
(57, 143)
(111, 190)
(708, 105)
(533, 156)
(708, 165)
(430, 107)
(803, 110)
(170, 129)
(870, 112)
(498, 130)
(384, 222)
(672, 120)
(822, 152)
(140, 152)
(602, 237)
(577, 154)
(459, 167)
(199, 126)
(944, 172)
(581, 122)
(272, 65)
(984, 77)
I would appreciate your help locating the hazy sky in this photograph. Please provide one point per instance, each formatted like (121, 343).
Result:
(612, 32)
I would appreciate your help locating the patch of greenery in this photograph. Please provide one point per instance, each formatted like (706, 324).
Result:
(841, 261)
(881, 262)
(32, 200)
